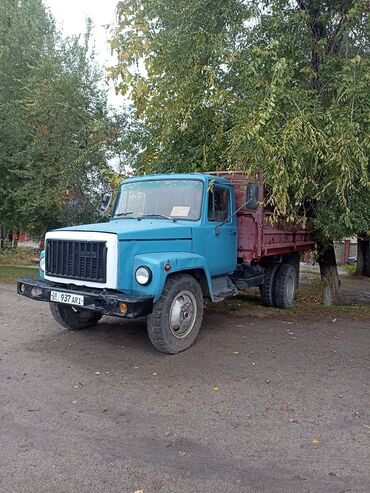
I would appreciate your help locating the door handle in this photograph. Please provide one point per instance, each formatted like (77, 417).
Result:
(232, 233)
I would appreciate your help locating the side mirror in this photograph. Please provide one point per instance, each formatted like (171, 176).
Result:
(251, 198)
(105, 202)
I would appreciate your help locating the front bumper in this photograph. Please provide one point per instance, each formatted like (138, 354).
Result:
(100, 300)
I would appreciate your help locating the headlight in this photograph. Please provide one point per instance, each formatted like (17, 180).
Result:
(42, 264)
(143, 275)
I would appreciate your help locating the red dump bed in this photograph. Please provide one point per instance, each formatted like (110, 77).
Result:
(257, 236)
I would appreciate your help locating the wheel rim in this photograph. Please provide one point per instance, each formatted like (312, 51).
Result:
(290, 288)
(183, 313)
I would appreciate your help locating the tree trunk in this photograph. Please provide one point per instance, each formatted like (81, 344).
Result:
(329, 274)
(2, 237)
(12, 238)
(363, 255)
(15, 238)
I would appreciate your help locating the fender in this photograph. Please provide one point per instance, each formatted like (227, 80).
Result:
(179, 262)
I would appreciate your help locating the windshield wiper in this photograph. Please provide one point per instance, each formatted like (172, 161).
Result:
(157, 215)
(123, 214)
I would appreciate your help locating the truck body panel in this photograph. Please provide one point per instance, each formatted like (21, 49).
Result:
(178, 262)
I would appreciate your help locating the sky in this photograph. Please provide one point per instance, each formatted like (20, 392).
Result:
(71, 15)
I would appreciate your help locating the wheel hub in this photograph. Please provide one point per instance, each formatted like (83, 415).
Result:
(183, 314)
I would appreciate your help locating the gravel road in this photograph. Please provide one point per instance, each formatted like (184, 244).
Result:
(260, 403)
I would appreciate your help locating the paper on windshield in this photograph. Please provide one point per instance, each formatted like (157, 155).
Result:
(180, 211)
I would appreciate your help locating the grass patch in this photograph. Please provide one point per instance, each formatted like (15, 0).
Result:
(20, 256)
(10, 273)
(351, 268)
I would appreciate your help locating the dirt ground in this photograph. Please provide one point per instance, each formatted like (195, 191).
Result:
(265, 401)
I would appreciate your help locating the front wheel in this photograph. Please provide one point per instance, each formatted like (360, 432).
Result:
(73, 318)
(177, 316)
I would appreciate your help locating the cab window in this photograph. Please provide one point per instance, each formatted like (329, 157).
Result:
(218, 204)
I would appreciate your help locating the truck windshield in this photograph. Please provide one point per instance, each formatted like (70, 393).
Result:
(172, 199)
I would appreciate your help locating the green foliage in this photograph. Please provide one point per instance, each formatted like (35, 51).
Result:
(55, 133)
(351, 268)
(278, 85)
(171, 56)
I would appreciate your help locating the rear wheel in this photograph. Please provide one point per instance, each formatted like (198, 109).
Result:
(177, 316)
(268, 283)
(74, 318)
(285, 286)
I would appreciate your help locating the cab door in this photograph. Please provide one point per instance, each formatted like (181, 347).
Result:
(221, 231)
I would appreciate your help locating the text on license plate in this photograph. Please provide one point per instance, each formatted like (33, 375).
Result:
(70, 299)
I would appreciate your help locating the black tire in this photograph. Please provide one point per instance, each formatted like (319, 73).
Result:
(285, 286)
(267, 286)
(73, 318)
(182, 290)
(295, 260)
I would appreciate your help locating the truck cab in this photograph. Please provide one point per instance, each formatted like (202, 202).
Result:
(172, 240)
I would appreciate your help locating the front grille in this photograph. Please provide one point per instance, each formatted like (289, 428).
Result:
(71, 259)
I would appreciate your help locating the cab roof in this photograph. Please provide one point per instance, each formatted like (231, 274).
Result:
(177, 176)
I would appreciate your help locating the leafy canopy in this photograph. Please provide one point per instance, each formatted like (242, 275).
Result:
(278, 85)
(55, 131)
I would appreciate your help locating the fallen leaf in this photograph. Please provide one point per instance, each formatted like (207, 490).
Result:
(315, 441)
(215, 389)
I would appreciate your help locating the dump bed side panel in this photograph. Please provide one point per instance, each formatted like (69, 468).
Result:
(257, 235)
(247, 236)
(284, 237)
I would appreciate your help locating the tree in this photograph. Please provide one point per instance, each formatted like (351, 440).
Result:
(363, 254)
(56, 133)
(311, 125)
(276, 84)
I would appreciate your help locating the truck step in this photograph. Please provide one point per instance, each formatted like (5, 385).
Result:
(223, 287)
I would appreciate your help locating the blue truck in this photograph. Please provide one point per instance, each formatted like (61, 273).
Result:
(171, 241)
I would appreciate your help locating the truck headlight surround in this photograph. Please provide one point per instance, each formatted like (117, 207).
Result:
(42, 264)
(143, 275)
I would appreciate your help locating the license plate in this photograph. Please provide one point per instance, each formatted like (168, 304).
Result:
(70, 299)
